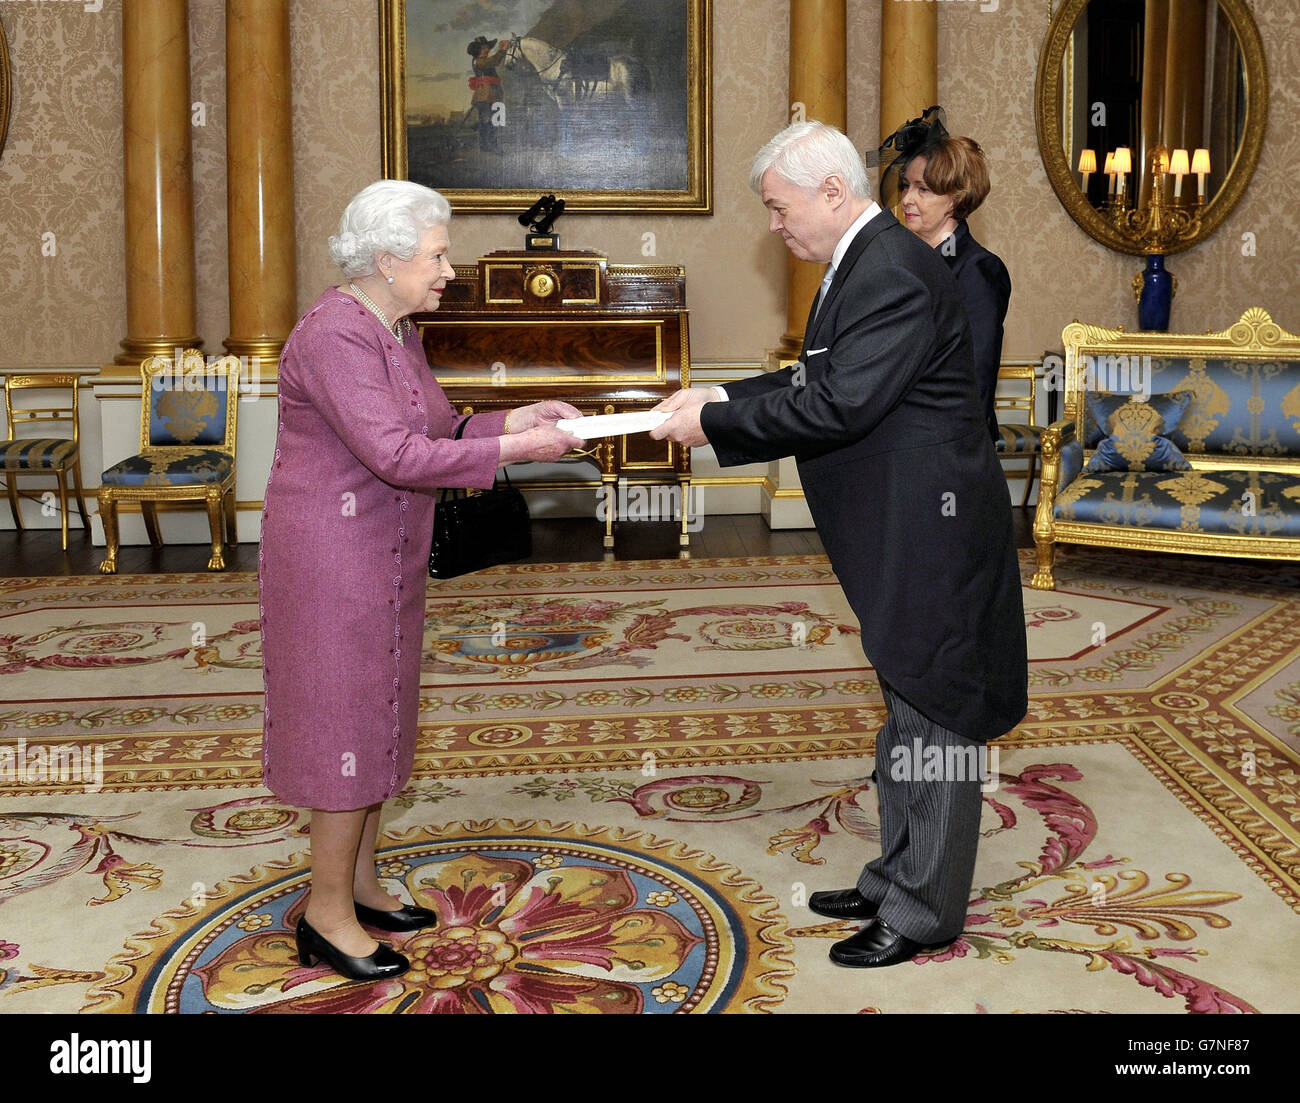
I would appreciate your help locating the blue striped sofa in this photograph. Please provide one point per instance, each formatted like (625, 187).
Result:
(1229, 404)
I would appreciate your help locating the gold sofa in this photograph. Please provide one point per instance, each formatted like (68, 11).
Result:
(1239, 432)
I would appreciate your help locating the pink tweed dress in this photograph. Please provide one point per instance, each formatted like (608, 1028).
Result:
(360, 452)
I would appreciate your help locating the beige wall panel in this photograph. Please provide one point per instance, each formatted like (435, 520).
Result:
(61, 173)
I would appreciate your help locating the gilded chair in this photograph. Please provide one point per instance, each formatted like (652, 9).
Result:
(1018, 439)
(187, 450)
(42, 455)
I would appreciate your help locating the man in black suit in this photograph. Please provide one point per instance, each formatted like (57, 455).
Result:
(882, 414)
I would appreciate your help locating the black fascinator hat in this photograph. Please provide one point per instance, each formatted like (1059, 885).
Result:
(915, 137)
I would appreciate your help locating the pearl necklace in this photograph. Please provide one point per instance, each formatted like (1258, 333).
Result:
(399, 331)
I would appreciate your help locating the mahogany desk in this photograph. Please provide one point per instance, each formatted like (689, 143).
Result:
(520, 327)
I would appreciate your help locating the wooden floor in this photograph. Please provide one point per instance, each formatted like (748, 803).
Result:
(37, 552)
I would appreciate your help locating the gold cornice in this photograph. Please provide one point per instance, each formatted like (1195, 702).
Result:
(1051, 141)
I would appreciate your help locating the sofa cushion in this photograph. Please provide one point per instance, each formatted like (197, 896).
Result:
(171, 467)
(1018, 440)
(1217, 503)
(1138, 431)
(1101, 407)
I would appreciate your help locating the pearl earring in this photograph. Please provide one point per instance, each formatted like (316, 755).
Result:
(389, 278)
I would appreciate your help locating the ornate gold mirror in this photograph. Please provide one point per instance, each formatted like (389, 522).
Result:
(4, 89)
(1155, 79)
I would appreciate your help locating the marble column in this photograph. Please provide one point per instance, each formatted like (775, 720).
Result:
(159, 213)
(259, 179)
(818, 91)
(909, 51)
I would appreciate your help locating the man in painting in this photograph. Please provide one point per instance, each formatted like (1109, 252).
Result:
(485, 89)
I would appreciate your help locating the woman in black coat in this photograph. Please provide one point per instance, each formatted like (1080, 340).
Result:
(939, 181)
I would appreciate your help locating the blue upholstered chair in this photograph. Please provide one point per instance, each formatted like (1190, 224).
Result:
(1019, 439)
(43, 455)
(187, 450)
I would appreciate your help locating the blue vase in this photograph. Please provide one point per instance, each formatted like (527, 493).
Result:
(1157, 295)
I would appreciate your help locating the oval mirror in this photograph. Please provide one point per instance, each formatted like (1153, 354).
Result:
(1146, 76)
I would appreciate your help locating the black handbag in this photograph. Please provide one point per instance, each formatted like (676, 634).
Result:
(479, 530)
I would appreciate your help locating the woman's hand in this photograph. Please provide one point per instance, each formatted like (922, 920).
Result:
(544, 414)
(544, 444)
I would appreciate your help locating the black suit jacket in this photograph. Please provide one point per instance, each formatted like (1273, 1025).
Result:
(985, 286)
(901, 478)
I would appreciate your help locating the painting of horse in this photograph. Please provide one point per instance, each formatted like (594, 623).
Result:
(604, 102)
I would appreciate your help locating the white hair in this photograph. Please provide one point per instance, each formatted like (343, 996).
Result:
(388, 216)
(806, 154)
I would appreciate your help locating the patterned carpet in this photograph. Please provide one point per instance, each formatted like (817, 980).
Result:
(630, 777)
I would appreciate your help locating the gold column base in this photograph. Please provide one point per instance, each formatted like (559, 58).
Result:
(135, 349)
(785, 354)
(266, 349)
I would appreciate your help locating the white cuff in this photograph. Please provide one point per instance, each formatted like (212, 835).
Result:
(721, 393)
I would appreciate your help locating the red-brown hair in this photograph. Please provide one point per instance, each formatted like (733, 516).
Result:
(957, 167)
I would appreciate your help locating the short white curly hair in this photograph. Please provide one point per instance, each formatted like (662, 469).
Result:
(806, 154)
(388, 216)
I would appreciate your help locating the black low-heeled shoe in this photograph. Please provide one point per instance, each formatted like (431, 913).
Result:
(384, 962)
(405, 918)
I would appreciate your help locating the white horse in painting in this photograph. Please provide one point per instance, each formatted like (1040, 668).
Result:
(579, 76)
(537, 58)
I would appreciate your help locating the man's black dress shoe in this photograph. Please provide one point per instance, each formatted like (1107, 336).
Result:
(384, 962)
(879, 944)
(843, 904)
(406, 918)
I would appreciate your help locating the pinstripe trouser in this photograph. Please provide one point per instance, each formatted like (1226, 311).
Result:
(929, 828)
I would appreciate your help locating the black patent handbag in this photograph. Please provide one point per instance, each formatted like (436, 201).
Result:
(473, 531)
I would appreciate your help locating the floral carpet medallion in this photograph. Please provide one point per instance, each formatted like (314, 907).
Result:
(532, 917)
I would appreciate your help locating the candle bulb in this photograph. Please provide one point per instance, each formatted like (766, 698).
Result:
(1110, 175)
(1178, 166)
(1201, 166)
(1087, 165)
(1123, 166)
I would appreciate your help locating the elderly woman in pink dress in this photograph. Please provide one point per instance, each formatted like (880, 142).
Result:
(364, 442)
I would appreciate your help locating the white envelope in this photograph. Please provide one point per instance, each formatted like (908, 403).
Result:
(613, 425)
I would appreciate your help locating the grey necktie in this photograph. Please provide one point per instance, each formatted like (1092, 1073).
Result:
(824, 290)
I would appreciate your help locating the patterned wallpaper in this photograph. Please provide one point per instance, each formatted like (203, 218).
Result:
(61, 187)
(61, 173)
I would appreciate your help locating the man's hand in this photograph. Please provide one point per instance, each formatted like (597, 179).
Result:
(684, 426)
(541, 415)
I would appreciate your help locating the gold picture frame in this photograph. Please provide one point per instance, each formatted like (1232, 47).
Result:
(624, 98)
